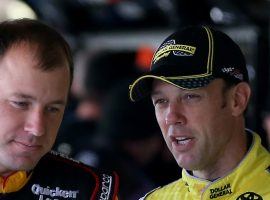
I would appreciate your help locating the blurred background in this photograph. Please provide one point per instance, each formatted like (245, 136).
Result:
(113, 42)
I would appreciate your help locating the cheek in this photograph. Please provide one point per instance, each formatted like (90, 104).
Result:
(163, 127)
(160, 120)
(52, 124)
(10, 118)
(198, 117)
(52, 128)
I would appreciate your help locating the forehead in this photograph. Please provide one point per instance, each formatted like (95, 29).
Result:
(19, 72)
(21, 51)
(30, 53)
(23, 56)
(45, 57)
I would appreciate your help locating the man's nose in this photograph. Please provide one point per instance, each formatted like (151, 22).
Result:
(175, 115)
(35, 122)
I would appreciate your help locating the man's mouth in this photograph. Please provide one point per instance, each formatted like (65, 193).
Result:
(26, 145)
(182, 140)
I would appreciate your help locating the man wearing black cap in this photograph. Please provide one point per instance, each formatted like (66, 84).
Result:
(200, 90)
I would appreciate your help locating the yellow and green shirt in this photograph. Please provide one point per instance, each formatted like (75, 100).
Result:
(249, 180)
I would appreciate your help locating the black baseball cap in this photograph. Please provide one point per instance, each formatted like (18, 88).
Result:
(191, 58)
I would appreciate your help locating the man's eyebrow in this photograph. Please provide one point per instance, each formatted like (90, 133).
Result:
(29, 97)
(59, 102)
(24, 96)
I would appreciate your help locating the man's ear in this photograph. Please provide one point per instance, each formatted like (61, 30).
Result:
(240, 98)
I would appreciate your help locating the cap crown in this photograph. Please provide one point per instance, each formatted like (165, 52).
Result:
(192, 58)
(199, 52)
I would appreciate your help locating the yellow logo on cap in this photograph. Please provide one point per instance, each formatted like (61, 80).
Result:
(177, 49)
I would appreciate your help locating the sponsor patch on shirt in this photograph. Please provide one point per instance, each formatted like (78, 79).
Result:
(106, 187)
(249, 196)
(53, 193)
(220, 191)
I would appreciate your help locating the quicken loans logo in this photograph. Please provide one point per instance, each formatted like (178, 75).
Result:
(47, 193)
(221, 191)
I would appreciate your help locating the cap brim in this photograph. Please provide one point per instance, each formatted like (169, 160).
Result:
(142, 86)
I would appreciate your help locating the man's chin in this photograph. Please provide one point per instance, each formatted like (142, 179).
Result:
(188, 164)
(25, 163)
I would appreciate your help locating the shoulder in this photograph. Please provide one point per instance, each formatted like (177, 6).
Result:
(174, 189)
(58, 169)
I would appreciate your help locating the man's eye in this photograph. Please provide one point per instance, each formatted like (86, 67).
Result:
(159, 102)
(53, 109)
(191, 97)
(20, 104)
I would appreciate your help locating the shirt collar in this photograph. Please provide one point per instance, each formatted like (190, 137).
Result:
(228, 183)
(14, 181)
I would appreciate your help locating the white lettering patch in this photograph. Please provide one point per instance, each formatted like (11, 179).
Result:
(47, 193)
(106, 187)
